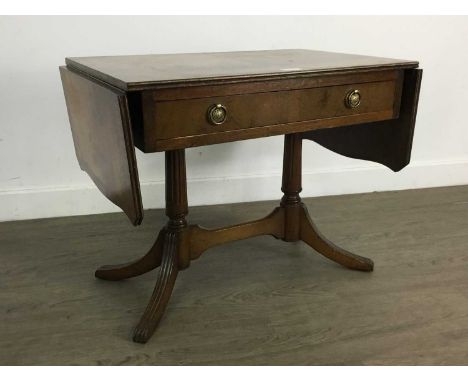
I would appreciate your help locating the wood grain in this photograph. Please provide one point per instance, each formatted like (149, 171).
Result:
(184, 118)
(262, 131)
(102, 134)
(259, 86)
(386, 142)
(140, 72)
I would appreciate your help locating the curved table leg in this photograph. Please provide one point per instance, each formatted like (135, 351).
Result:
(162, 290)
(312, 236)
(134, 268)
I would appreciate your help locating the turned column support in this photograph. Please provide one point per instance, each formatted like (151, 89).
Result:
(291, 186)
(176, 189)
(175, 251)
(176, 203)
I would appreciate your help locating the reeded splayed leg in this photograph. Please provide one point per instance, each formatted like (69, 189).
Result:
(162, 290)
(298, 224)
(312, 236)
(175, 252)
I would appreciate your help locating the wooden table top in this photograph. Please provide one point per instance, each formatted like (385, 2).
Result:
(165, 103)
(140, 72)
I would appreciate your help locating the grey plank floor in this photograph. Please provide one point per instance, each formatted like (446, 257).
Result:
(255, 302)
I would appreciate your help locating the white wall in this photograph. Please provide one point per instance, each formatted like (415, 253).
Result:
(39, 174)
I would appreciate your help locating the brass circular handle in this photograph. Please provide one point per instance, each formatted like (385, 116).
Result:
(353, 99)
(217, 114)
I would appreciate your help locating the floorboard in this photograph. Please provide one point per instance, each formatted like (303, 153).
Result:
(255, 302)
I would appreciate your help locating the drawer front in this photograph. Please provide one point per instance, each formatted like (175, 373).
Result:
(189, 117)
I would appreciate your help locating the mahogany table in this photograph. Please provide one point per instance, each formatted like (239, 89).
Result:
(358, 106)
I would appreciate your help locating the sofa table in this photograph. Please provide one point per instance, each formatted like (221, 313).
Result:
(358, 106)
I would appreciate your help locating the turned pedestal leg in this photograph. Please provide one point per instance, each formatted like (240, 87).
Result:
(170, 251)
(298, 224)
(178, 243)
(291, 186)
(175, 251)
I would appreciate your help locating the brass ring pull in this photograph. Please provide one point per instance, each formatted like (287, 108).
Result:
(217, 114)
(353, 99)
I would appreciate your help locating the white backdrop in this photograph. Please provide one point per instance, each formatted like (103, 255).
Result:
(39, 174)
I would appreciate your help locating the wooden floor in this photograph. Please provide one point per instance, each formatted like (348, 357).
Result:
(256, 302)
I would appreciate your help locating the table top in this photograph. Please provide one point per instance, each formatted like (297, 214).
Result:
(140, 72)
(178, 91)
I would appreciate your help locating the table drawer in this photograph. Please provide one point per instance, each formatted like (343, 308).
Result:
(175, 119)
